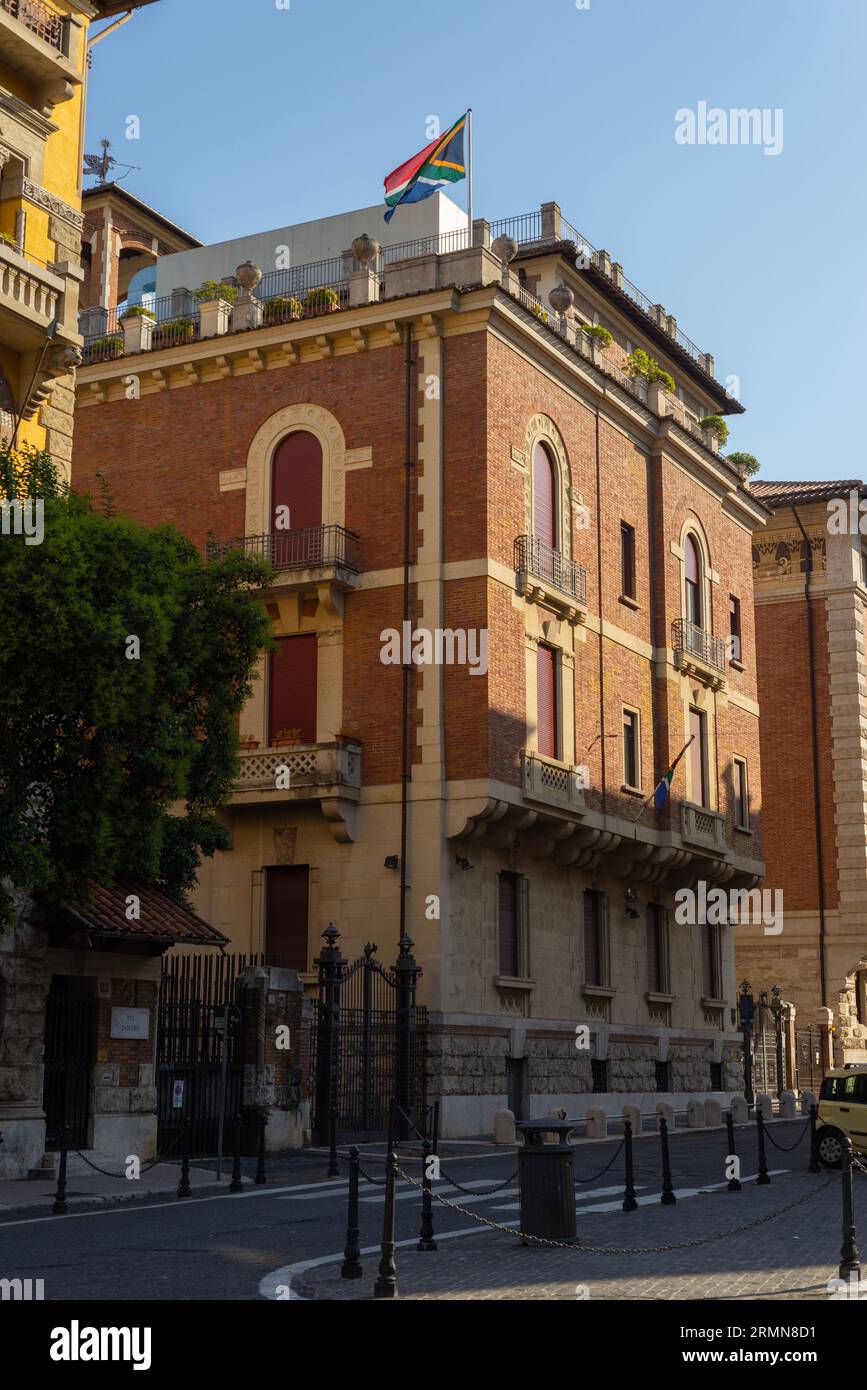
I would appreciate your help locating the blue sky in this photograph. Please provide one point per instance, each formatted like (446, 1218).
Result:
(254, 117)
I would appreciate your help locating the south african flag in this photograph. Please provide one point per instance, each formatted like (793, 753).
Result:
(439, 163)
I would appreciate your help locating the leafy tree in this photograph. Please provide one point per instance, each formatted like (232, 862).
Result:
(124, 661)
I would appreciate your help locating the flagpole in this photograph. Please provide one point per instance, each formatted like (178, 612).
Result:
(469, 177)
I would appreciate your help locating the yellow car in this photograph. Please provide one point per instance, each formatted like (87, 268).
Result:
(842, 1113)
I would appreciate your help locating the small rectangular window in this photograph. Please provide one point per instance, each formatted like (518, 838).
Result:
(710, 981)
(742, 797)
(657, 949)
(631, 772)
(594, 943)
(547, 710)
(627, 560)
(663, 1078)
(599, 1072)
(734, 628)
(716, 1076)
(508, 925)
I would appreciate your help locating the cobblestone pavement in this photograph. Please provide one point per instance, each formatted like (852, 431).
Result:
(792, 1256)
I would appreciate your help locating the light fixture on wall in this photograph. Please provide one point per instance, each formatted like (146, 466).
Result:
(463, 863)
(631, 896)
(391, 861)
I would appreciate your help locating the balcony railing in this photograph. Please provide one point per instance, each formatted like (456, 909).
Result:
(308, 547)
(534, 557)
(38, 18)
(546, 779)
(312, 766)
(692, 640)
(699, 826)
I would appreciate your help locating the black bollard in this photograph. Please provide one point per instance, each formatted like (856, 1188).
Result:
(815, 1165)
(425, 1235)
(236, 1185)
(629, 1202)
(386, 1284)
(734, 1183)
(668, 1198)
(764, 1178)
(351, 1267)
(850, 1262)
(184, 1189)
(260, 1161)
(61, 1206)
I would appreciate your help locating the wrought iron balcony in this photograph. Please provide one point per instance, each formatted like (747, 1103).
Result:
(534, 560)
(309, 547)
(692, 642)
(46, 23)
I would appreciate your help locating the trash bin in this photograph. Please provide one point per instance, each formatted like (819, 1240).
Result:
(547, 1180)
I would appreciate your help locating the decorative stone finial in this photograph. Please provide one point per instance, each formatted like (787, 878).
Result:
(505, 248)
(248, 276)
(561, 298)
(365, 249)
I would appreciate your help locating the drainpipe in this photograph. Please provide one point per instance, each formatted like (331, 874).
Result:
(602, 739)
(407, 500)
(814, 728)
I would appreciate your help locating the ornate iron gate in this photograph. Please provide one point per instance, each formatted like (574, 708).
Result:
(193, 992)
(808, 1055)
(369, 1044)
(70, 1041)
(769, 1048)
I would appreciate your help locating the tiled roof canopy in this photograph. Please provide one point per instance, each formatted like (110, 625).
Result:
(161, 920)
(775, 494)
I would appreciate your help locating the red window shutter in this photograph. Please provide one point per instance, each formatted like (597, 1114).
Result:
(509, 925)
(544, 528)
(292, 702)
(296, 480)
(286, 897)
(546, 702)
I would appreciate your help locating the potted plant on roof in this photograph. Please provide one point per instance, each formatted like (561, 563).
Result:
(282, 308)
(247, 743)
(716, 427)
(105, 349)
(215, 299)
(172, 331)
(322, 300)
(138, 325)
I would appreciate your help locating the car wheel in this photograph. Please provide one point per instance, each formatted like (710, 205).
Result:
(829, 1143)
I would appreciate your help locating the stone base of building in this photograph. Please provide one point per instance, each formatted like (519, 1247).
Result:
(22, 1128)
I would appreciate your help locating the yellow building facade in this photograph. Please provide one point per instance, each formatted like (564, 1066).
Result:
(43, 93)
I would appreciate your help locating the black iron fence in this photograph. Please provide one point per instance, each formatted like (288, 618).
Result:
(194, 991)
(534, 557)
(300, 549)
(40, 19)
(70, 1042)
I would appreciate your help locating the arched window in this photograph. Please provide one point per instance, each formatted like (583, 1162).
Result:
(693, 575)
(296, 482)
(544, 494)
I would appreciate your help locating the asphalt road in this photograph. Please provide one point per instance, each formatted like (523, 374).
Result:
(220, 1246)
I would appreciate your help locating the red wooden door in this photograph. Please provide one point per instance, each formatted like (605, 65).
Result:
(296, 482)
(286, 899)
(546, 702)
(292, 687)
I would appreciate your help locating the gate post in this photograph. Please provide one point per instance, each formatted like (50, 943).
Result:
(330, 963)
(406, 973)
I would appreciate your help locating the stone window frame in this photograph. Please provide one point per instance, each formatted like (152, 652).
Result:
(744, 826)
(637, 786)
(604, 987)
(328, 430)
(523, 979)
(542, 430)
(664, 995)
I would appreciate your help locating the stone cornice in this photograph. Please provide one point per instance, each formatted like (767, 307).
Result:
(27, 115)
(20, 186)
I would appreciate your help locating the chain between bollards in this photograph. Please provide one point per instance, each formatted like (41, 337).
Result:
(734, 1183)
(351, 1267)
(764, 1177)
(629, 1201)
(61, 1206)
(425, 1235)
(386, 1284)
(184, 1189)
(850, 1261)
(668, 1198)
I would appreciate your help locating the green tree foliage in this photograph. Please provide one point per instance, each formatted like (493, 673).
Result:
(98, 745)
(748, 462)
